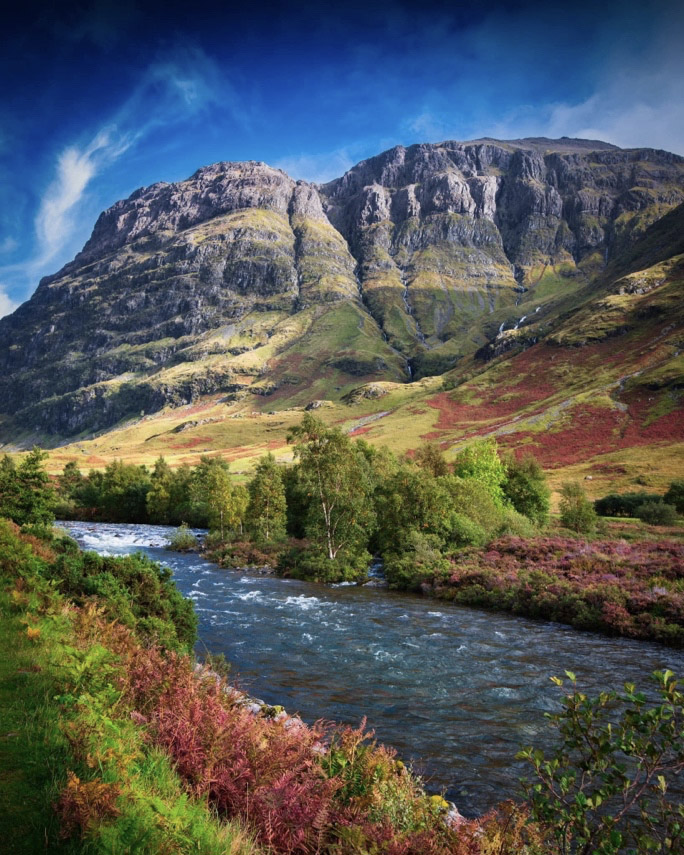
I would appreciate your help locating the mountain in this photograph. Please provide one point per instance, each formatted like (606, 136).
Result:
(265, 293)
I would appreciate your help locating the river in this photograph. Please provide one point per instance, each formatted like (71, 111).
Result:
(456, 691)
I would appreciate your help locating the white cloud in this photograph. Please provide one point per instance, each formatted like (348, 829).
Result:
(7, 305)
(429, 128)
(318, 168)
(615, 114)
(176, 87)
(637, 101)
(76, 168)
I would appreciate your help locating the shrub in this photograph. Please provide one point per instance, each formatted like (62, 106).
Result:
(526, 489)
(310, 561)
(183, 540)
(516, 524)
(576, 511)
(133, 590)
(466, 532)
(473, 499)
(605, 788)
(675, 495)
(623, 505)
(657, 513)
(480, 461)
(419, 562)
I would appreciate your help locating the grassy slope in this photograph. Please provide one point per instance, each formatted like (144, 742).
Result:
(47, 736)
(599, 395)
(29, 736)
(552, 399)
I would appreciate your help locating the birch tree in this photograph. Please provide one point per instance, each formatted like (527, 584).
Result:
(337, 480)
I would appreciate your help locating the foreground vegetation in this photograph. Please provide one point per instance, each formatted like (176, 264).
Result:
(78, 774)
(121, 743)
(128, 742)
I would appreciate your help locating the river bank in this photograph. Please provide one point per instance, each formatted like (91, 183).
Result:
(455, 690)
(147, 741)
(614, 587)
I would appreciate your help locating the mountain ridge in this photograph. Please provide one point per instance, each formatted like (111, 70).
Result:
(243, 281)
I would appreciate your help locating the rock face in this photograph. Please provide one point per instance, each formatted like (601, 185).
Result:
(241, 279)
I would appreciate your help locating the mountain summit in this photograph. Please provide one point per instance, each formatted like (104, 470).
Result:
(245, 282)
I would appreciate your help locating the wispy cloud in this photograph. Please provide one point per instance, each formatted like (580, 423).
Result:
(7, 305)
(76, 167)
(177, 87)
(631, 112)
(637, 98)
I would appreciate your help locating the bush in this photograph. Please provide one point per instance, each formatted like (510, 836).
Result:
(183, 540)
(242, 553)
(657, 513)
(576, 511)
(525, 487)
(605, 789)
(133, 590)
(466, 532)
(309, 561)
(675, 495)
(421, 561)
(516, 524)
(623, 505)
(474, 500)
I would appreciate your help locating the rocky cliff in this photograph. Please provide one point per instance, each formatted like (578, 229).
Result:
(242, 281)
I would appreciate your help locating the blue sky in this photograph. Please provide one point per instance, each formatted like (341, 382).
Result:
(103, 96)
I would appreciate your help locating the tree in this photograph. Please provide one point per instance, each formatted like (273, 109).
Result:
(576, 511)
(158, 498)
(336, 477)
(430, 457)
(413, 500)
(36, 498)
(604, 790)
(675, 495)
(266, 511)
(90, 493)
(239, 510)
(223, 502)
(480, 460)
(473, 498)
(181, 507)
(124, 492)
(71, 480)
(9, 488)
(657, 513)
(526, 488)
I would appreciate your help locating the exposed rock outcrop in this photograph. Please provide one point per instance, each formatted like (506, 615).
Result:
(242, 278)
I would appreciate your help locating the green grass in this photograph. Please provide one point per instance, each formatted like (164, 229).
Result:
(64, 732)
(32, 748)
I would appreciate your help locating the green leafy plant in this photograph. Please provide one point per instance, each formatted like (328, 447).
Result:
(183, 540)
(576, 511)
(336, 478)
(605, 790)
(657, 513)
(526, 489)
(266, 511)
(675, 495)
